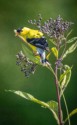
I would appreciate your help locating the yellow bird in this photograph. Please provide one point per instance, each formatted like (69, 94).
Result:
(36, 40)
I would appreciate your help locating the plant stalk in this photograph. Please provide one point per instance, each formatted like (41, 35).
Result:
(58, 96)
(57, 89)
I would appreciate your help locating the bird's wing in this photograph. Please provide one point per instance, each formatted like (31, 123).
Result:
(38, 42)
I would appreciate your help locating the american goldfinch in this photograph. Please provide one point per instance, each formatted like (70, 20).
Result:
(36, 40)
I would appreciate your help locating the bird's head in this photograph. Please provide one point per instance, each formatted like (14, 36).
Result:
(21, 31)
(18, 31)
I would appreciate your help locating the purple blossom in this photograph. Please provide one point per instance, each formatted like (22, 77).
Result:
(52, 28)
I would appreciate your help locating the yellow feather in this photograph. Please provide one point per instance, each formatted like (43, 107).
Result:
(30, 33)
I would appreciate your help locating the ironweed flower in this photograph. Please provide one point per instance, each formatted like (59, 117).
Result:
(52, 28)
(27, 66)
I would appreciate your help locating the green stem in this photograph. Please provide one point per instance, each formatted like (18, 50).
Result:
(66, 109)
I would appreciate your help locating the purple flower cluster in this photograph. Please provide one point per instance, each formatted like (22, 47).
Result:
(53, 28)
(27, 66)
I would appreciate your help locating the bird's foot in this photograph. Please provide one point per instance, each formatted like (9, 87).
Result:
(35, 53)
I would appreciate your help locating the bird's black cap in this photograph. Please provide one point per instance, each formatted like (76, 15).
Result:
(19, 30)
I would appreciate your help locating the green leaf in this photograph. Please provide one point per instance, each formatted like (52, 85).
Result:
(72, 40)
(51, 105)
(70, 50)
(67, 69)
(55, 51)
(28, 52)
(71, 114)
(54, 108)
(52, 41)
(69, 33)
(28, 97)
(65, 78)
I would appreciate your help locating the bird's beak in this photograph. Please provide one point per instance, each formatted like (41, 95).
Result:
(16, 33)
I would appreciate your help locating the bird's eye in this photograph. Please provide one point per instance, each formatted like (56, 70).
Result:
(19, 30)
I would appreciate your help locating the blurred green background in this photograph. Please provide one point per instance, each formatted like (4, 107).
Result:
(13, 109)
